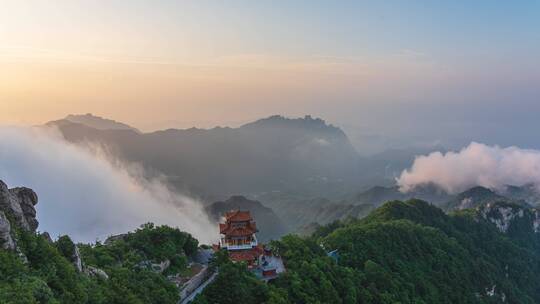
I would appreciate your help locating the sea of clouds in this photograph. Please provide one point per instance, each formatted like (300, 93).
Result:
(87, 194)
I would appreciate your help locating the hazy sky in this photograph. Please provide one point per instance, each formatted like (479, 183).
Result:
(389, 72)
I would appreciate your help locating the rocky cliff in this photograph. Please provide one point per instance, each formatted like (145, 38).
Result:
(16, 210)
(509, 217)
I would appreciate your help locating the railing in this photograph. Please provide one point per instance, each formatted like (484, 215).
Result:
(239, 247)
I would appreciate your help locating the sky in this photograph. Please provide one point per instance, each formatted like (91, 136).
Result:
(391, 73)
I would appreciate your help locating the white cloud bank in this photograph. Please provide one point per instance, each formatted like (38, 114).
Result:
(475, 165)
(84, 194)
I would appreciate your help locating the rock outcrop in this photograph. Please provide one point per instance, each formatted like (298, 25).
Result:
(19, 203)
(76, 259)
(511, 218)
(17, 209)
(96, 272)
(155, 267)
(501, 214)
(16, 205)
(27, 199)
(6, 240)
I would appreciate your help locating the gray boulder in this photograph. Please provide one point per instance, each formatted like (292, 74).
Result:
(6, 240)
(76, 259)
(96, 272)
(19, 204)
(16, 208)
(27, 199)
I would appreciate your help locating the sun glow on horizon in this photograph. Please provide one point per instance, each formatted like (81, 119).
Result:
(168, 64)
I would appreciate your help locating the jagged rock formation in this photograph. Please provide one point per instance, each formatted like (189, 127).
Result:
(96, 272)
(19, 203)
(510, 217)
(77, 260)
(6, 240)
(502, 215)
(16, 205)
(72, 252)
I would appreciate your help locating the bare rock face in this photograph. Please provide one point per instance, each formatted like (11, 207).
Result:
(16, 205)
(96, 272)
(504, 215)
(155, 267)
(77, 260)
(19, 203)
(27, 199)
(6, 240)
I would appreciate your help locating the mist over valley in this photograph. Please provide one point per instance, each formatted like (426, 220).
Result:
(304, 171)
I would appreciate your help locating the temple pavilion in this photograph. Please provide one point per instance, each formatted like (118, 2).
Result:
(239, 239)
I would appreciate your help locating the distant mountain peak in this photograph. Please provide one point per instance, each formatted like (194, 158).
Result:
(98, 122)
(377, 195)
(248, 159)
(478, 190)
(278, 120)
(479, 196)
(239, 198)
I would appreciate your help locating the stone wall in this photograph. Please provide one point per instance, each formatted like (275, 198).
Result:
(197, 280)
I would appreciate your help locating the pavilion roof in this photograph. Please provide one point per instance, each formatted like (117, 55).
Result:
(238, 216)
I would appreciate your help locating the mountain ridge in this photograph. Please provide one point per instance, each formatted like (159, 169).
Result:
(275, 153)
(98, 122)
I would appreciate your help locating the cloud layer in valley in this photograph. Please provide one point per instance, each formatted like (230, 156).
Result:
(475, 165)
(84, 194)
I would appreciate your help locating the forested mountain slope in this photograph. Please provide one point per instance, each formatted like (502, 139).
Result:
(406, 252)
(410, 252)
(36, 269)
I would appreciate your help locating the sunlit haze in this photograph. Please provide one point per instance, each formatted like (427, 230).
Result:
(378, 69)
(269, 151)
